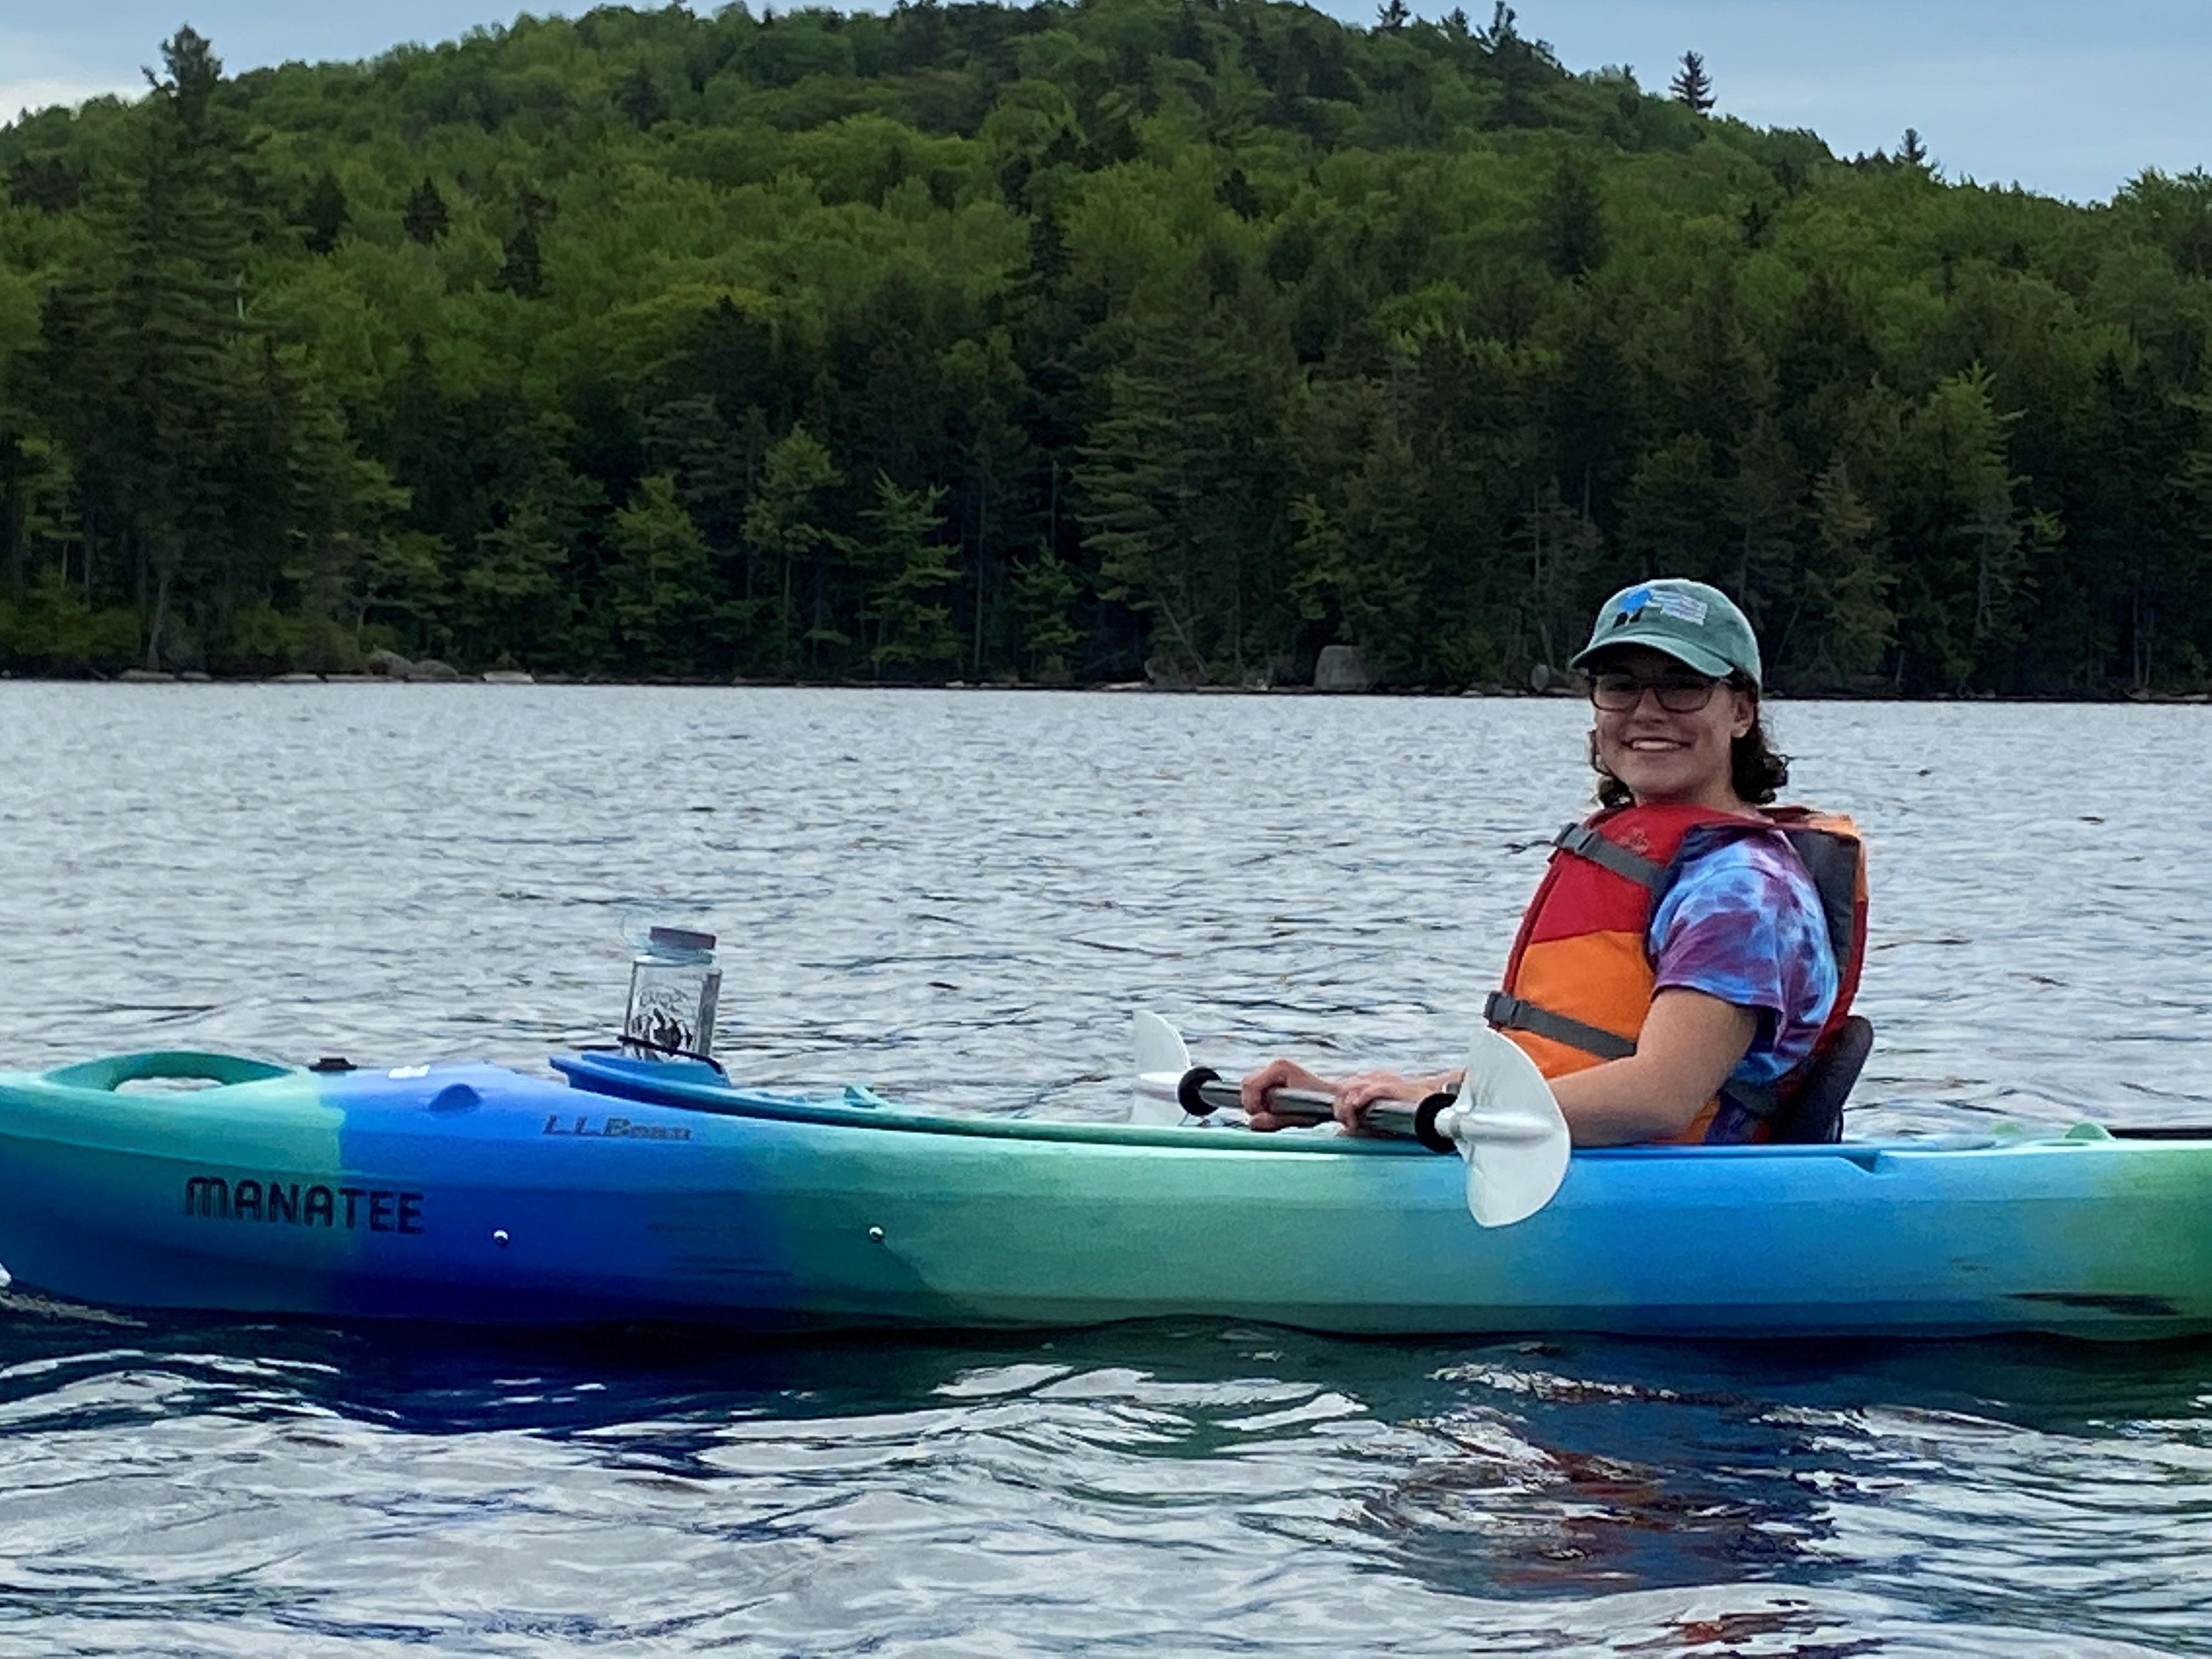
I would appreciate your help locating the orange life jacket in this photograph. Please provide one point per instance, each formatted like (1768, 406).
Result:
(1579, 982)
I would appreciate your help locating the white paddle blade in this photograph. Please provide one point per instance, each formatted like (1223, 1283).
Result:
(1162, 1059)
(1160, 1046)
(1511, 1132)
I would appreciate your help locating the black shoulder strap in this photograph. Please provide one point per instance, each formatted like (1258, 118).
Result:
(1585, 843)
(1833, 862)
(1511, 1013)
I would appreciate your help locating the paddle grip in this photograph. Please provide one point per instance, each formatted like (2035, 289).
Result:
(1203, 1090)
(1424, 1122)
(1189, 1092)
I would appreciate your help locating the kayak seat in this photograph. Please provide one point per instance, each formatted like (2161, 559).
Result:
(1815, 1113)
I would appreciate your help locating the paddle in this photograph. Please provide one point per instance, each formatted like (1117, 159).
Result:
(1503, 1121)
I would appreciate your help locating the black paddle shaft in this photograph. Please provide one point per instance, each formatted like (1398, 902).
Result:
(1202, 1091)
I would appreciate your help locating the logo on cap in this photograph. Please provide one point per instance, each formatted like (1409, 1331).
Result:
(1682, 607)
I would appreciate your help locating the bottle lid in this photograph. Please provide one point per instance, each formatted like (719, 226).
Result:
(680, 938)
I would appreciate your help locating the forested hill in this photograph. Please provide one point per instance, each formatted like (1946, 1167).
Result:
(1068, 342)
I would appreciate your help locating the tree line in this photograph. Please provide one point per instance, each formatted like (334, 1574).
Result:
(1072, 343)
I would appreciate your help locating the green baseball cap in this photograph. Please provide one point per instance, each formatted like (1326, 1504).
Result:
(1690, 622)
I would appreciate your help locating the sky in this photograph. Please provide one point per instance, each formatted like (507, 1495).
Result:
(2061, 97)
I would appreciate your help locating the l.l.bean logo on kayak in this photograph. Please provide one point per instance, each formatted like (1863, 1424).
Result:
(612, 1128)
(348, 1209)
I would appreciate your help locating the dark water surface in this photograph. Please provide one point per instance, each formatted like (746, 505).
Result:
(960, 898)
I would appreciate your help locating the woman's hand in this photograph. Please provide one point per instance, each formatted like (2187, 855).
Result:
(1277, 1074)
(1356, 1094)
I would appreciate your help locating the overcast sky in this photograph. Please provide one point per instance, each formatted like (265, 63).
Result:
(2063, 97)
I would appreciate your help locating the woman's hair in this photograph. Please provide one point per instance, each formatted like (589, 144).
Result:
(1756, 768)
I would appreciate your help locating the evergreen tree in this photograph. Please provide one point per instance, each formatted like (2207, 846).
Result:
(911, 574)
(1911, 151)
(1962, 599)
(783, 525)
(1384, 587)
(659, 582)
(425, 218)
(1045, 591)
(150, 381)
(1850, 580)
(1691, 85)
(1166, 487)
(515, 597)
(521, 272)
(1571, 220)
(1563, 546)
(641, 100)
(324, 217)
(47, 183)
(1521, 66)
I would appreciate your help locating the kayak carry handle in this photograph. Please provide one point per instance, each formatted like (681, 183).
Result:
(164, 1066)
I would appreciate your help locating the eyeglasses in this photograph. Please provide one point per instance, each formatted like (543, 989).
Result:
(1680, 692)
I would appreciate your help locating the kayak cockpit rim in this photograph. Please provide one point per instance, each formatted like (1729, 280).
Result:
(652, 1083)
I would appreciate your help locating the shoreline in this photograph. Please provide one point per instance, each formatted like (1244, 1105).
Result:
(514, 678)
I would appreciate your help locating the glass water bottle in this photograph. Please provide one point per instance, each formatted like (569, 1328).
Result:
(673, 986)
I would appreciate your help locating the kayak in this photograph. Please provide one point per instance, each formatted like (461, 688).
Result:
(652, 1189)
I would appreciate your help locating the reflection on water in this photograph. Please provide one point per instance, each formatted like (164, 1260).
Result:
(1188, 1488)
(960, 898)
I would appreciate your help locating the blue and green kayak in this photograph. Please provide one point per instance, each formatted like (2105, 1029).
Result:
(653, 1190)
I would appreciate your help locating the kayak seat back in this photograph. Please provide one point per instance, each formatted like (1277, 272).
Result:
(1815, 1113)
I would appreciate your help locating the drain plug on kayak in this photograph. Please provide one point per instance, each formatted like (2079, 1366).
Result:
(875, 1235)
(498, 1236)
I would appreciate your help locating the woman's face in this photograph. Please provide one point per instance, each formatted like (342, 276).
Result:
(1662, 756)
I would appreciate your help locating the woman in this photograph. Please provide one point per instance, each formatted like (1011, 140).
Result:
(1680, 963)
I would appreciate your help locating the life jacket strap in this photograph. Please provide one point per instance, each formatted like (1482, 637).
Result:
(1585, 843)
(1512, 1013)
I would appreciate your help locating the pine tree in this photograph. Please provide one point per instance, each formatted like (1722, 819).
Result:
(1045, 591)
(1571, 220)
(1690, 84)
(1520, 65)
(1848, 579)
(517, 597)
(1960, 505)
(1911, 150)
(781, 523)
(1167, 487)
(522, 271)
(659, 585)
(324, 217)
(1392, 16)
(912, 573)
(1564, 544)
(1769, 490)
(44, 182)
(1386, 561)
(426, 217)
(641, 100)
(144, 346)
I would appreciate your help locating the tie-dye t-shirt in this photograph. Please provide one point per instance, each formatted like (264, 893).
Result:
(1742, 923)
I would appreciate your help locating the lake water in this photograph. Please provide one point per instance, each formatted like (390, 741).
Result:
(960, 897)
